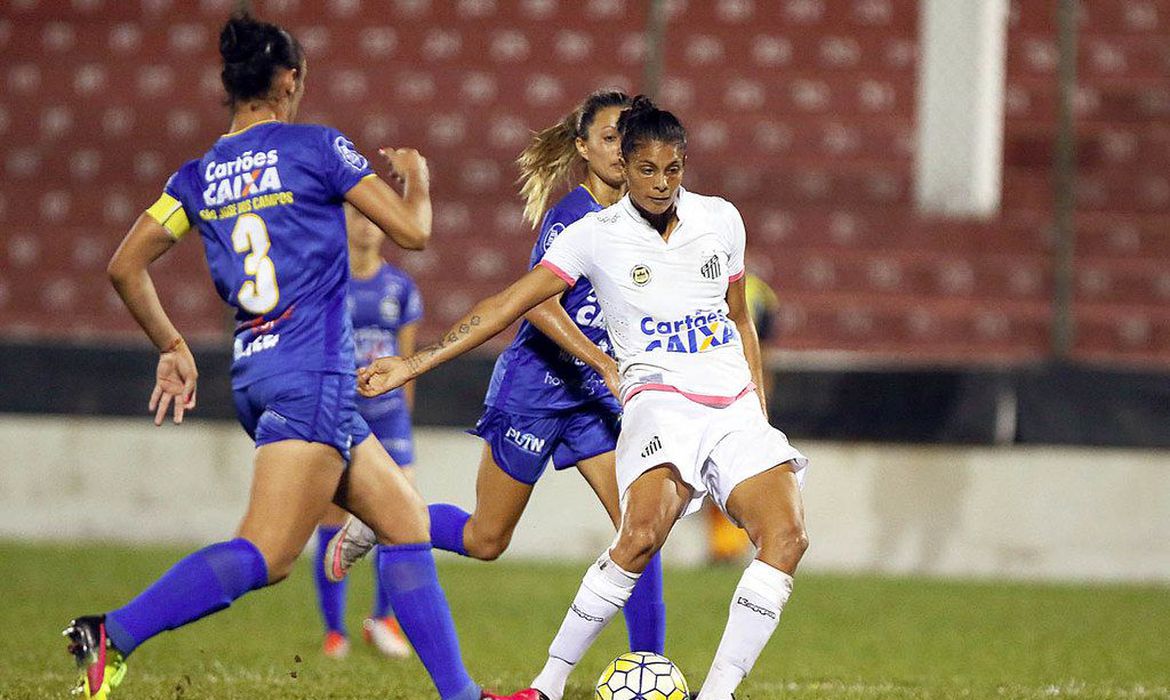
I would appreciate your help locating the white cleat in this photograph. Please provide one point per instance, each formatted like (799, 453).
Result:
(386, 636)
(352, 542)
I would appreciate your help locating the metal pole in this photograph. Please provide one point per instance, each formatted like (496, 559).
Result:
(655, 48)
(1064, 179)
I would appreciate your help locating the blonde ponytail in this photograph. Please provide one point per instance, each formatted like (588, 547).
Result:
(546, 163)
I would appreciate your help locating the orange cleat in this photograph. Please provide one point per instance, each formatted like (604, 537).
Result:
(386, 636)
(335, 646)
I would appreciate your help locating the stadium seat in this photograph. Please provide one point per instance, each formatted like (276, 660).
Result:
(803, 114)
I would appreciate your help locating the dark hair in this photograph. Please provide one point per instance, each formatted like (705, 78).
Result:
(252, 51)
(552, 154)
(643, 122)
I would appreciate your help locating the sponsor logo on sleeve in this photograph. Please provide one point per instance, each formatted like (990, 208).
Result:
(552, 234)
(349, 154)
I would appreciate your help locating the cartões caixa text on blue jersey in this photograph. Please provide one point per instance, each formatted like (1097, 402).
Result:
(245, 184)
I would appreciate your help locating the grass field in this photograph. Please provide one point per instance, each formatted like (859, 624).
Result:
(841, 637)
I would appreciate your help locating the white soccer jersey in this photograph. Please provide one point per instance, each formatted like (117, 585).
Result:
(664, 301)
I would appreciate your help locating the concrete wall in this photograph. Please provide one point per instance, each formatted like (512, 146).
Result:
(1035, 513)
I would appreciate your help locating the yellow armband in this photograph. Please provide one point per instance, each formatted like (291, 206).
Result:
(168, 212)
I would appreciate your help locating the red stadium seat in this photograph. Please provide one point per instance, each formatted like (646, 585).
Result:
(802, 112)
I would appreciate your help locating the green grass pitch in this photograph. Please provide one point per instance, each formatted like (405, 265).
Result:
(841, 637)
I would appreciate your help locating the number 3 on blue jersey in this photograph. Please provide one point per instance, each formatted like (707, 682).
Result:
(259, 294)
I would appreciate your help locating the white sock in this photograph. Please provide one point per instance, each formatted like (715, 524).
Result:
(755, 611)
(603, 592)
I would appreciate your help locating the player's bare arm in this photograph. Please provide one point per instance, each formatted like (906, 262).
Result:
(550, 318)
(407, 337)
(175, 379)
(405, 218)
(486, 319)
(738, 311)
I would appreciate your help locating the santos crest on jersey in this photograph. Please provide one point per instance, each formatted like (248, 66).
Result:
(664, 301)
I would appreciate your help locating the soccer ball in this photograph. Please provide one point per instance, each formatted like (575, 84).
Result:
(641, 675)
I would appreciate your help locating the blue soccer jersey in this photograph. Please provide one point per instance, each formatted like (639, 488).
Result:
(380, 306)
(267, 203)
(534, 376)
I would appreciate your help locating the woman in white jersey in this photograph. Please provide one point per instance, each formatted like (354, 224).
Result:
(667, 266)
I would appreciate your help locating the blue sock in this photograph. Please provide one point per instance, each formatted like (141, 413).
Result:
(330, 595)
(408, 573)
(201, 583)
(447, 523)
(382, 606)
(646, 612)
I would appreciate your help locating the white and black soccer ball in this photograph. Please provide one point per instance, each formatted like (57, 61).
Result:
(641, 675)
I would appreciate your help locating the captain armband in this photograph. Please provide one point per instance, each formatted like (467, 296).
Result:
(168, 212)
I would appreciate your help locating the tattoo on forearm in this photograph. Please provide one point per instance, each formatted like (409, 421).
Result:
(417, 362)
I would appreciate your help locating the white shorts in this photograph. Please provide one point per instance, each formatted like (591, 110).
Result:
(714, 449)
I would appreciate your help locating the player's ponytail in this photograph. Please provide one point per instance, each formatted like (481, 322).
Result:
(252, 51)
(644, 122)
(552, 154)
(545, 163)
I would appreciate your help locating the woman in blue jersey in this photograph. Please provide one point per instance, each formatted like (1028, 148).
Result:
(267, 201)
(385, 307)
(543, 404)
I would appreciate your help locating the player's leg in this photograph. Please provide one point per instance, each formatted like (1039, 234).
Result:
(381, 628)
(592, 437)
(500, 500)
(515, 452)
(330, 594)
(291, 485)
(654, 502)
(768, 505)
(377, 492)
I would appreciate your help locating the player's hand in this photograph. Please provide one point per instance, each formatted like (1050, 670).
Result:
(405, 164)
(382, 375)
(174, 383)
(613, 378)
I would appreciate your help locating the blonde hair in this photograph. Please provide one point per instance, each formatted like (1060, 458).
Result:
(547, 161)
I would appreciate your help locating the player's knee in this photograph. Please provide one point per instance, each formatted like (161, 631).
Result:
(408, 523)
(786, 544)
(488, 550)
(488, 547)
(639, 541)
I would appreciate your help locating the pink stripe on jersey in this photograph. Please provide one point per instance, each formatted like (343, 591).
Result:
(706, 400)
(568, 279)
(736, 277)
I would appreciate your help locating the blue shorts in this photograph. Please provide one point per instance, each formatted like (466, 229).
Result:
(523, 445)
(393, 430)
(309, 406)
